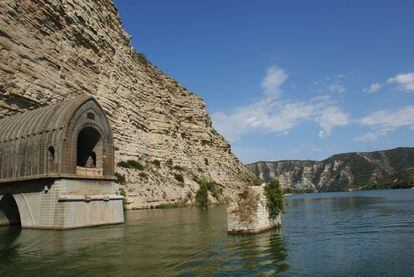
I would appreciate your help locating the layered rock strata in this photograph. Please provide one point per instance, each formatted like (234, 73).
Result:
(342, 172)
(51, 50)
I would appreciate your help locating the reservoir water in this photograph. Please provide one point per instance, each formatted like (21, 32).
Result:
(367, 233)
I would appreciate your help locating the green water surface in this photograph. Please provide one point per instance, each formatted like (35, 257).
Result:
(366, 233)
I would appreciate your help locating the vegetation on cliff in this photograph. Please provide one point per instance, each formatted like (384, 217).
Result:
(157, 123)
(202, 194)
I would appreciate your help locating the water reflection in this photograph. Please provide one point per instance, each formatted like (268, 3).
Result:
(175, 241)
(9, 249)
(367, 233)
(340, 234)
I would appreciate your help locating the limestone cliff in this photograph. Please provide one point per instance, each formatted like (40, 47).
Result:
(56, 49)
(380, 169)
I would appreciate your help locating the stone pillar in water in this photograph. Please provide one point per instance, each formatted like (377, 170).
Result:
(249, 214)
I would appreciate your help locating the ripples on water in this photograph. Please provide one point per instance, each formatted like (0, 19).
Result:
(330, 234)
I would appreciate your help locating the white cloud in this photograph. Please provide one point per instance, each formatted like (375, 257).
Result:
(266, 115)
(275, 77)
(374, 88)
(405, 81)
(373, 135)
(385, 122)
(330, 117)
(266, 152)
(270, 115)
(336, 88)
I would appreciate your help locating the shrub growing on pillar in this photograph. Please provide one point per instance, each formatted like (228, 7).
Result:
(274, 196)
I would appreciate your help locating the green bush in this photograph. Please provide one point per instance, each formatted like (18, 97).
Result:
(179, 177)
(143, 175)
(169, 163)
(120, 179)
(135, 165)
(123, 164)
(275, 200)
(123, 193)
(156, 163)
(202, 195)
(179, 168)
(142, 58)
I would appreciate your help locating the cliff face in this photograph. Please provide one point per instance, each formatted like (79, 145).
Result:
(342, 171)
(56, 49)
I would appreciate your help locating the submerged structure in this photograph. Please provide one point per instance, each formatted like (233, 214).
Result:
(249, 214)
(57, 167)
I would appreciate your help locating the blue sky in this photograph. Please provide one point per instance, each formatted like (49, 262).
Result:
(288, 79)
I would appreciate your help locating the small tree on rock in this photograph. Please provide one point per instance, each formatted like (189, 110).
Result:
(275, 200)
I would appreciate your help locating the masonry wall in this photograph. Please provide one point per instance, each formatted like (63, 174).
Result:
(64, 204)
(260, 220)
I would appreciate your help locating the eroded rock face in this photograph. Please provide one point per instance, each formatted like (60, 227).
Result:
(56, 49)
(341, 172)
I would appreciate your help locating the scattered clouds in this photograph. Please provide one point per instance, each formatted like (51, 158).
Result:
(385, 122)
(275, 77)
(270, 115)
(330, 117)
(336, 88)
(405, 81)
(374, 88)
(250, 154)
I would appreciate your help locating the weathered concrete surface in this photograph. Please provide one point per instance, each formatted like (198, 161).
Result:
(250, 217)
(62, 204)
(53, 50)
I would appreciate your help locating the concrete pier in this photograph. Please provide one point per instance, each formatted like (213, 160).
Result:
(249, 214)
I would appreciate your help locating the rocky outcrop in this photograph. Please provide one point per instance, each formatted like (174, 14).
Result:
(51, 50)
(388, 168)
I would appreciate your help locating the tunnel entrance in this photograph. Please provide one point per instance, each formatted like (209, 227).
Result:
(89, 148)
(9, 212)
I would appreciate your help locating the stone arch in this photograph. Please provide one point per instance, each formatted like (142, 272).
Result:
(89, 148)
(9, 211)
(26, 140)
(51, 156)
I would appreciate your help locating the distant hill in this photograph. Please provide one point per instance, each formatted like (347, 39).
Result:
(360, 170)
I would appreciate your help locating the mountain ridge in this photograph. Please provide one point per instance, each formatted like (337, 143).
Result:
(344, 171)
